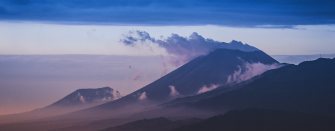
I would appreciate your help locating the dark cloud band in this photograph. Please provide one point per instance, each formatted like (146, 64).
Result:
(281, 14)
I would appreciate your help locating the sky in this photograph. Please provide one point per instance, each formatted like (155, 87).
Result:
(50, 48)
(28, 82)
(286, 27)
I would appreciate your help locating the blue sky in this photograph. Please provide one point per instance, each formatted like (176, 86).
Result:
(286, 27)
(245, 13)
(28, 82)
(95, 27)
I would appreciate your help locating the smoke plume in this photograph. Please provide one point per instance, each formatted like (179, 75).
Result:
(181, 49)
(173, 92)
(165, 69)
(205, 88)
(250, 70)
(136, 76)
(246, 72)
(143, 96)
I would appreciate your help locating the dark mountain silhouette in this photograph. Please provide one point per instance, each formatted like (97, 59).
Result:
(95, 125)
(178, 107)
(263, 120)
(129, 124)
(79, 99)
(156, 124)
(308, 87)
(215, 68)
(219, 90)
(236, 120)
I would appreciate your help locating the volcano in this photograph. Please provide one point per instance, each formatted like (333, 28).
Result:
(204, 73)
(83, 97)
(79, 99)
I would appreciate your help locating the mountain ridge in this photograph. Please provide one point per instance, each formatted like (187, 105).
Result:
(262, 120)
(72, 102)
(201, 72)
(88, 96)
(307, 87)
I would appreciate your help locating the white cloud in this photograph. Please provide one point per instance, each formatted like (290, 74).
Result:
(173, 92)
(116, 95)
(136, 76)
(250, 70)
(205, 88)
(164, 66)
(81, 98)
(143, 96)
(181, 49)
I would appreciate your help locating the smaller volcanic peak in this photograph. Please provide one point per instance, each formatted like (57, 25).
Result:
(77, 100)
(88, 96)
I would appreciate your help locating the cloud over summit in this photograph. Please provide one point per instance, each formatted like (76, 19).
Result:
(181, 49)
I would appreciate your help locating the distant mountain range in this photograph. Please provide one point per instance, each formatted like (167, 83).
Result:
(296, 59)
(252, 91)
(202, 74)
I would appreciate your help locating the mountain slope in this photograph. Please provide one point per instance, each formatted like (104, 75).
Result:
(308, 87)
(263, 120)
(215, 68)
(156, 124)
(219, 90)
(220, 67)
(88, 96)
(79, 99)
